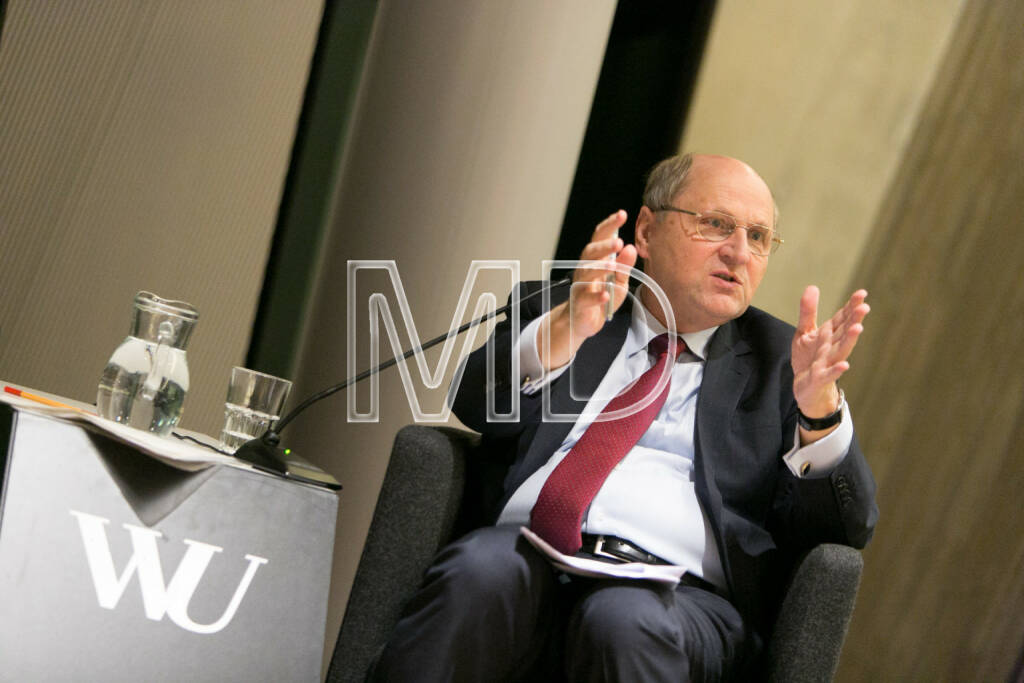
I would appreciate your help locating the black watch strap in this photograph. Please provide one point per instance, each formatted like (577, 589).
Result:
(813, 424)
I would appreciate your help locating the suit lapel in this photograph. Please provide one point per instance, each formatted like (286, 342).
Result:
(725, 376)
(726, 372)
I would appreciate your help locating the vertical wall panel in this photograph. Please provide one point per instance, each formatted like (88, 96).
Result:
(939, 398)
(893, 135)
(821, 99)
(143, 145)
(464, 146)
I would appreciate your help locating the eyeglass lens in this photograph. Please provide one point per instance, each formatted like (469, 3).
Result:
(719, 226)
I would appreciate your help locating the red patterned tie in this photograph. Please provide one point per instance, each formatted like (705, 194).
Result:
(558, 513)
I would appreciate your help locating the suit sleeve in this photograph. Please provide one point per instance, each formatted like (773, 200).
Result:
(834, 505)
(838, 508)
(488, 385)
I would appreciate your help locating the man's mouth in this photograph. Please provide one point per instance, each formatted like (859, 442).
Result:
(728, 277)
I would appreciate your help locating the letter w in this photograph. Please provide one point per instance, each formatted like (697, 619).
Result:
(158, 599)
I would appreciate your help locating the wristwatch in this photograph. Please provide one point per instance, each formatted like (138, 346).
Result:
(813, 424)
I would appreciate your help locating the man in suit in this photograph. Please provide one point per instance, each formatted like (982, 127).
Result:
(743, 460)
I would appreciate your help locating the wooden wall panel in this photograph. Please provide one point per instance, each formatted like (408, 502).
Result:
(143, 145)
(938, 393)
(821, 98)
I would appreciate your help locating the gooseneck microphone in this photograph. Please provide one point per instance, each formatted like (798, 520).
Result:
(265, 452)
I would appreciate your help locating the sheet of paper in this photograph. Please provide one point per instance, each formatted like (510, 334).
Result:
(581, 566)
(174, 452)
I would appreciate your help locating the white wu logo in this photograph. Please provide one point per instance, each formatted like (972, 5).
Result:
(158, 598)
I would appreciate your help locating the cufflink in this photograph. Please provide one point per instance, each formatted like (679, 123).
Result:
(804, 469)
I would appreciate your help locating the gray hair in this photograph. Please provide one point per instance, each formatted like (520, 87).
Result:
(668, 178)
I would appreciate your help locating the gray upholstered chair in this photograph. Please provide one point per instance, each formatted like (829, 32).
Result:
(431, 494)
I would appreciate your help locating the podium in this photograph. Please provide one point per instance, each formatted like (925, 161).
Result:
(115, 566)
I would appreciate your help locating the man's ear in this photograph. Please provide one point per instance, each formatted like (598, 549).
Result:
(645, 221)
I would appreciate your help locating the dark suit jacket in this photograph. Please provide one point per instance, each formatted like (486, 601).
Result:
(762, 516)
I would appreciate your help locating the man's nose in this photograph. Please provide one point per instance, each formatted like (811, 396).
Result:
(735, 248)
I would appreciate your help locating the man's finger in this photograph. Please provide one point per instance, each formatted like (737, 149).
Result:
(586, 294)
(601, 249)
(626, 258)
(844, 347)
(852, 304)
(855, 318)
(610, 225)
(808, 310)
(832, 373)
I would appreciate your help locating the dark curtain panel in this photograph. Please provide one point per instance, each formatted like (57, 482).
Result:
(305, 203)
(643, 93)
(3, 11)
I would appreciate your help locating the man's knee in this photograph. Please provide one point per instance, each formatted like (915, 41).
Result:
(638, 632)
(489, 561)
(484, 588)
(625, 618)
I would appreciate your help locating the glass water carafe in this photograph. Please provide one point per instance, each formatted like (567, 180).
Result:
(145, 381)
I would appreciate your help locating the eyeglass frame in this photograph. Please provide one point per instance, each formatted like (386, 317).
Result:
(776, 241)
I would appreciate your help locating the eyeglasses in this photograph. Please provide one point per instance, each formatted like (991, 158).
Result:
(715, 226)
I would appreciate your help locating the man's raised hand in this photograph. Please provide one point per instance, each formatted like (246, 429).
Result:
(820, 353)
(568, 325)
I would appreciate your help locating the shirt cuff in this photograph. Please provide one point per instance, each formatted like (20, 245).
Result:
(532, 377)
(818, 459)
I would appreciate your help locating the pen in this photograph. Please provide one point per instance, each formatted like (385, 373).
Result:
(40, 399)
(609, 306)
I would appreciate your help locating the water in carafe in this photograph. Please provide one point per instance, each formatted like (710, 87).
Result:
(146, 379)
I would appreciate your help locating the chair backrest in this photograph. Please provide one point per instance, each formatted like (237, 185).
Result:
(416, 514)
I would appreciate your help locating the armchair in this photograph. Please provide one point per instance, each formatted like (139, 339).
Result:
(431, 495)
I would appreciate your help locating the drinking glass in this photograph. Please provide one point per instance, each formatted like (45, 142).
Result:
(254, 402)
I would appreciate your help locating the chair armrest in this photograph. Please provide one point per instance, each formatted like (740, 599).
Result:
(414, 517)
(815, 615)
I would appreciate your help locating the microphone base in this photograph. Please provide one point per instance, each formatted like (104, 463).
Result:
(263, 456)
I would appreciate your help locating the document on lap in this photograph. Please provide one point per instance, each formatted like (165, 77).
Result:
(581, 566)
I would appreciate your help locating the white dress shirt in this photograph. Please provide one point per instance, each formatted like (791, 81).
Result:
(649, 498)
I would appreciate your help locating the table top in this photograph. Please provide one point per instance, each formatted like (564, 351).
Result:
(189, 451)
